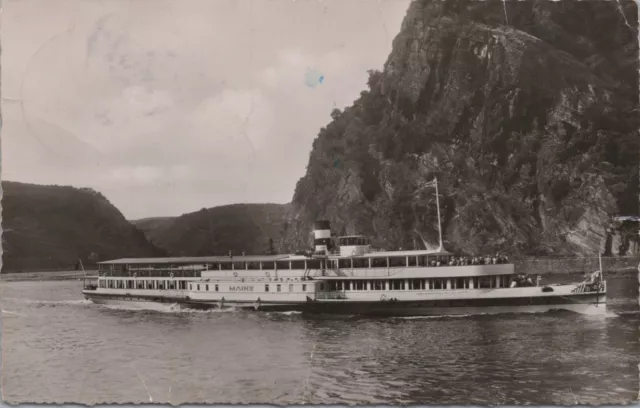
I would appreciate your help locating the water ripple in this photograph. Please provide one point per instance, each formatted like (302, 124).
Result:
(58, 347)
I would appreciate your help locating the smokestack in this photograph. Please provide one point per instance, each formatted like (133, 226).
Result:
(322, 236)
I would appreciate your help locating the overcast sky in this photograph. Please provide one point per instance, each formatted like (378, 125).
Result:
(170, 106)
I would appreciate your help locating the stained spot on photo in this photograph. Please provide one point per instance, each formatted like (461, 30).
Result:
(313, 78)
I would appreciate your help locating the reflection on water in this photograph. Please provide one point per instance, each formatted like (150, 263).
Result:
(537, 359)
(57, 348)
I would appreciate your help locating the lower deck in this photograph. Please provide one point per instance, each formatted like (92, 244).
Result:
(330, 292)
(317, 285)
(514, 302)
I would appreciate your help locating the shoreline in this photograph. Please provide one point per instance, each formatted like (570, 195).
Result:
(46, 276)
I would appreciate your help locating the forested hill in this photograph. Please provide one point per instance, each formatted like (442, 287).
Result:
(525, 111)
(154, 227)
(50, 227)
(249, 228)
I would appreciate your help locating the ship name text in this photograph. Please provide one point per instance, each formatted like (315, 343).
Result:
(244, 288)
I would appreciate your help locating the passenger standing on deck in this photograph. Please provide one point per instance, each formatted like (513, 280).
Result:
(593, 279)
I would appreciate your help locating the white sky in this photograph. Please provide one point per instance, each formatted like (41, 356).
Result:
(170, 106)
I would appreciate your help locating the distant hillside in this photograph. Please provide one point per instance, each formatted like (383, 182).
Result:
(218, 230)
(49, 227)
(154, 227)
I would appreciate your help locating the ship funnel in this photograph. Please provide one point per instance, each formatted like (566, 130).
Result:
(322, 236)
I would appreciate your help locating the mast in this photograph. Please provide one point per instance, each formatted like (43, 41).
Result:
(601, 284)
(600, 261)
(435, 182)
(84, 273)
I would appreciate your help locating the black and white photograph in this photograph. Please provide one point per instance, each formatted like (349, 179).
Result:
(320, 202)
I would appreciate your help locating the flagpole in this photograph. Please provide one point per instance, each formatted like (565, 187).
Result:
(84, 273)
(600, 262)
(435, 180)
(601, 272)
(601, 283)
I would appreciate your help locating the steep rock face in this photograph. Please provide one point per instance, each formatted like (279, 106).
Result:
(249, 228)
(52, 226)
(530, 127)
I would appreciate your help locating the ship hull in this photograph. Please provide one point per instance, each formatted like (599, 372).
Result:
(133, 301)
(129, 304)
(586, 304)
(583, 303)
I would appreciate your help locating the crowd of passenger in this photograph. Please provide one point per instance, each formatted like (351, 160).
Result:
(474, 260)
(523, 280)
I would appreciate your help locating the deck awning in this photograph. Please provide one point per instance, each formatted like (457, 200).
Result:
(418, 252)
(197, 260)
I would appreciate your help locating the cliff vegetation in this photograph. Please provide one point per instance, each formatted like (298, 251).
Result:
(526, 112)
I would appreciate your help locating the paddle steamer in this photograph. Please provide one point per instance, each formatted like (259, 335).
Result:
(351, 279)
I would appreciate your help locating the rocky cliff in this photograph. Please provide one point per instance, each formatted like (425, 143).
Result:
(50, 227)
(526, 112)
(249, 228)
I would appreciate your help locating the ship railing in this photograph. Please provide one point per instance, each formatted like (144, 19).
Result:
(90, 282)
(340, 273)
(370, 250)
(584, 287)
(157, 273)
(331, 295)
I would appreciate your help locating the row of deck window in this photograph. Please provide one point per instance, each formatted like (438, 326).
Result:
(350, 241)
(484, 282)
(267, 287)
(343, 263)
(179, 285)
(143, 284)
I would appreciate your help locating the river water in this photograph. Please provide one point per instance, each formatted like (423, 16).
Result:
(57, 347)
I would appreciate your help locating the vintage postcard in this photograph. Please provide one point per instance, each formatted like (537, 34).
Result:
(287, 202)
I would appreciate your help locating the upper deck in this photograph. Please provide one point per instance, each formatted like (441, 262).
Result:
(191, 260)
(192, 266)
(374, 264)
